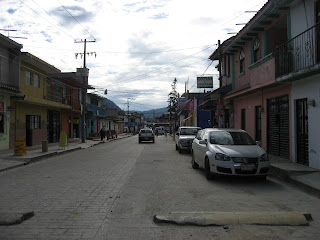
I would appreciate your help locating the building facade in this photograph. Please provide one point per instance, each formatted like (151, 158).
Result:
(37, 114)
(273, 67)
(9, 86)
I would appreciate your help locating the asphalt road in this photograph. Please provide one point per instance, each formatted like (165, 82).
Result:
(113, 191)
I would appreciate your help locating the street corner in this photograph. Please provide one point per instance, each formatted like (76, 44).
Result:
(234, 218)
(9, 218)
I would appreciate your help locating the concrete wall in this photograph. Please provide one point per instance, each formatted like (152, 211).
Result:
(308, 88)
(302, 16)
(4, 137)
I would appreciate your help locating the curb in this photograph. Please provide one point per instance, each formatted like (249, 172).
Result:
(28, 161)
(283, 175)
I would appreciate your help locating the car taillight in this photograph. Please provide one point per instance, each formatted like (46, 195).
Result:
(152, 134)
(139, 134)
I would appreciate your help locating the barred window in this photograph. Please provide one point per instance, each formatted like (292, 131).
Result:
(34, 121)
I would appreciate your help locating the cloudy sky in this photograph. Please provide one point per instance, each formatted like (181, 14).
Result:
(140, 45)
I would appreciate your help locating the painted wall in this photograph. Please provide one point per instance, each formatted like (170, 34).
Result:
(250, 102)
(18, 122)
(302, 16)
(4, 137)
(308, 88)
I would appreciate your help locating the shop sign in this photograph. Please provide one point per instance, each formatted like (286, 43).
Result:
(205, 82)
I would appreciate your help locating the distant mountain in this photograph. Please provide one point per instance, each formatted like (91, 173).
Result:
(110, 104)
(151, 114)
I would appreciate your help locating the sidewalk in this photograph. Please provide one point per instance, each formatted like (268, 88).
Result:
(305, 178)
(9, 161)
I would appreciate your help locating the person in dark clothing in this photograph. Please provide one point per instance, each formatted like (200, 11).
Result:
(103, 133)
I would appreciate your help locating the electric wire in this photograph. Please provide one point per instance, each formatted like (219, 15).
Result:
(45, 19)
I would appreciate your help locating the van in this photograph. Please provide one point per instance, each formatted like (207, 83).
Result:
(159, 130)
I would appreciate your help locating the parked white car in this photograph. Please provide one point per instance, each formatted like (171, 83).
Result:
(229, 152)
(184, 138)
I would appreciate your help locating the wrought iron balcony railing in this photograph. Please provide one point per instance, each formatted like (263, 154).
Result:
(301, 52)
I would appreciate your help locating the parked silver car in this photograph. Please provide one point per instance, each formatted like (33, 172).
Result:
(184, 138)
(229, 152)
(146, 134)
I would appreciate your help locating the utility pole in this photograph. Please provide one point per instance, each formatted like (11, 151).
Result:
(84, 72)
(128, 99)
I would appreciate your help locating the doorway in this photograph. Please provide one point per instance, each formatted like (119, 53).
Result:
(302, 142)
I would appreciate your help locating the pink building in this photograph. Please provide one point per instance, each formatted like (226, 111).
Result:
(271, 66)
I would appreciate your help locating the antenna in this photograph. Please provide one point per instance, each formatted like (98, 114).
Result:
(11, 30)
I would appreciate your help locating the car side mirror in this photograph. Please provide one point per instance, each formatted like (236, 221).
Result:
(259, 143)
(203, 142)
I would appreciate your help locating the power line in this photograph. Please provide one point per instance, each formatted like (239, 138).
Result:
(45, 19)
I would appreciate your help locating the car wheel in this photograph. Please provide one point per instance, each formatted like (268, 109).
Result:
(139, 141)
(180, 150)
(193, 163)
(153, 140)
(209, 175)
(177, 147)
(262, 178)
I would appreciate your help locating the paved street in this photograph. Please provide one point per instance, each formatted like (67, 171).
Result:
(113, 190)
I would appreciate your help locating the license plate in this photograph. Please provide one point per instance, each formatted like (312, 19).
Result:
(246, 168)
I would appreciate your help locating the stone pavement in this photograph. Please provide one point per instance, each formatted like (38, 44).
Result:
(9, 161)
(303, 177)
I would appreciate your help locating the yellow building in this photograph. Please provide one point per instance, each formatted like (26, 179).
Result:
(37, 111)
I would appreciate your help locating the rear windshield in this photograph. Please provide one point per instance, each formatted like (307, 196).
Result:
(231, 138)
(146, 131)
(189, 131)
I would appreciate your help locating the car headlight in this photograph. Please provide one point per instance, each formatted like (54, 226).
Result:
(222, 157)
(264, 158)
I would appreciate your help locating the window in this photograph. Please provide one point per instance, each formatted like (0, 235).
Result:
(28, 78)
(36, 80)
(78, 94)
(256, 50)
(241, 58)
(1, 122)
(229, 63)
(34, 121)
(243, 119)
(258, 123)
(94, 101)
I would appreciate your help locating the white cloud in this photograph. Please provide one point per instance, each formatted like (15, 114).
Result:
(141, 45)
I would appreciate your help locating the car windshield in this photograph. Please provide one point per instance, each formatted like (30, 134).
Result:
(146, 131)
(231, 138)
(189, 131)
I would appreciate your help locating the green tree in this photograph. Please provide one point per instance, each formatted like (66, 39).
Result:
(173, 97)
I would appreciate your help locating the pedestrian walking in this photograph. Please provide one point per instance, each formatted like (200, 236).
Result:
(102, 133)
